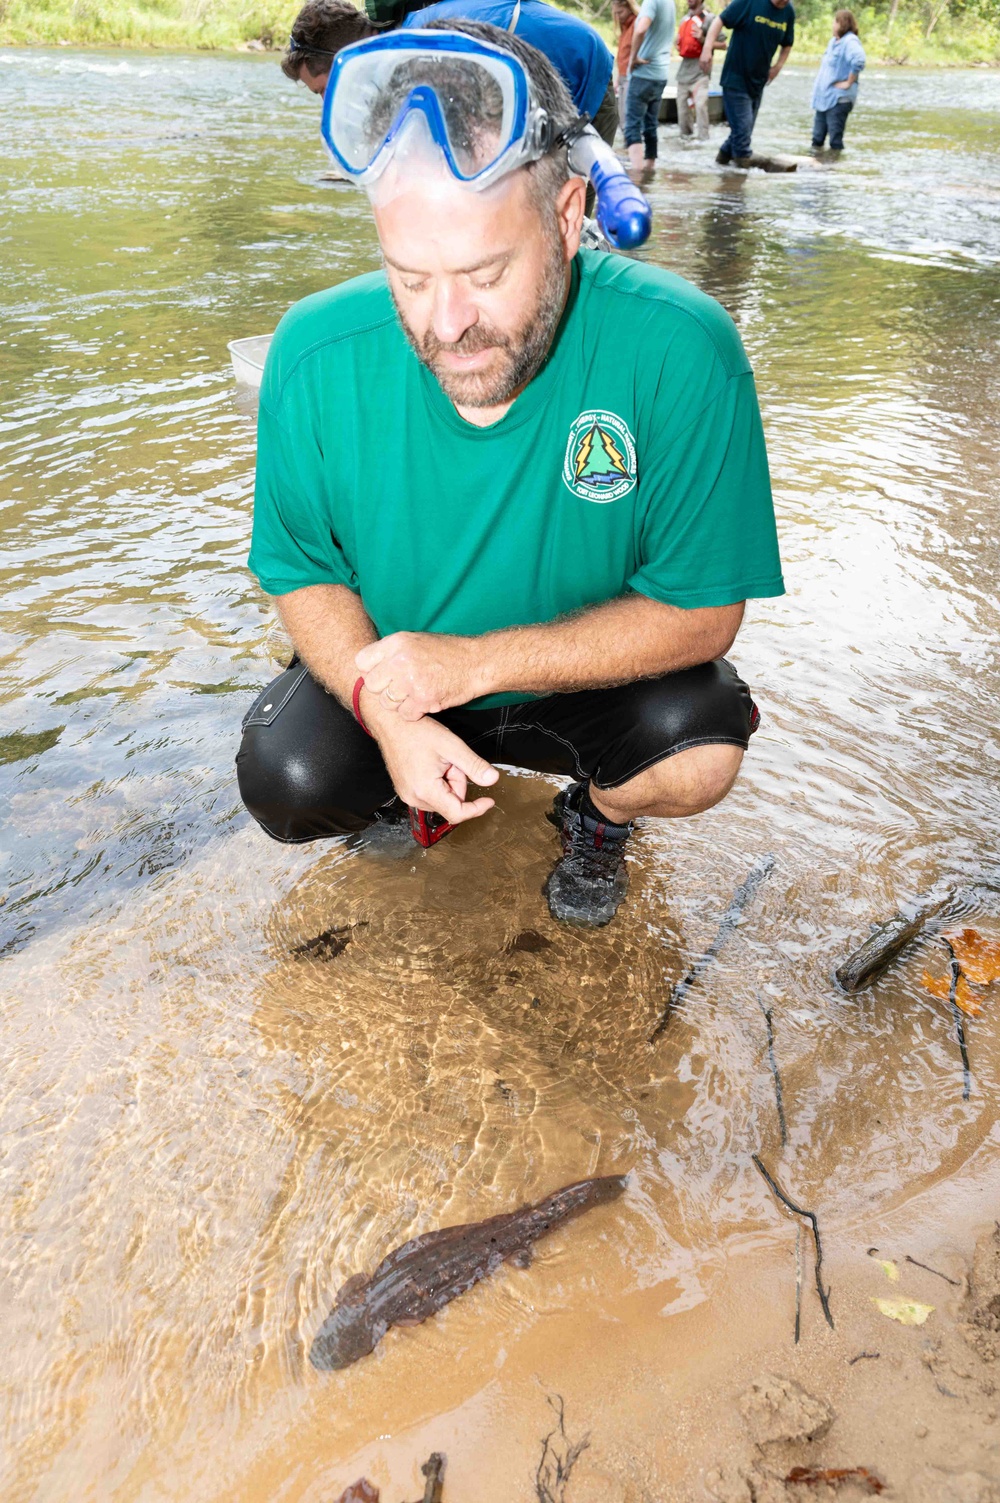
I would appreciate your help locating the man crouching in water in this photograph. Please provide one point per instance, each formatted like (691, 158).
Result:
(511, 498)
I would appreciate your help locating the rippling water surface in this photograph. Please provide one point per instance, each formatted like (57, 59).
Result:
(203, 1134)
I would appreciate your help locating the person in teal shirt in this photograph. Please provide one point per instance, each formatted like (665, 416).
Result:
(510, 500)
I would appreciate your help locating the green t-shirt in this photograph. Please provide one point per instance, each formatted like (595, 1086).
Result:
(633, 461)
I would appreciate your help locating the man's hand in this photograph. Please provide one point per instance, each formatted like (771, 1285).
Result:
(420, 673)
(705, 61)
(431, 767)
(773, 72)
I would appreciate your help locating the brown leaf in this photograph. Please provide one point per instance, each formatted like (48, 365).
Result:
(834, 1475)
(978, 957)
(361, 1491)
(966, 997)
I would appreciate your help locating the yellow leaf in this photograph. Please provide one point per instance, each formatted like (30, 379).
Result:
(979, 959)
(889, 1269)
(968, 1000)
(907, 1311)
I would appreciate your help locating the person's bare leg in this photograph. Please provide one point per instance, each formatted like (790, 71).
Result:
(688, 783)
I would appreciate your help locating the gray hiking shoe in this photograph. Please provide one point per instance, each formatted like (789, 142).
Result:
(588, 882)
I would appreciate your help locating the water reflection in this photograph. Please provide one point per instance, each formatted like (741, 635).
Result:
(203, 1133)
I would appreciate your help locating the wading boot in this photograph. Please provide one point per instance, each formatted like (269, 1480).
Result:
(589, 880)
(723, 158)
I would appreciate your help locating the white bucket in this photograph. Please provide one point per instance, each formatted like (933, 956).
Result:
(248, 356)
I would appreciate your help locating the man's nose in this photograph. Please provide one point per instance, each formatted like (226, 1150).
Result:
(454, 311)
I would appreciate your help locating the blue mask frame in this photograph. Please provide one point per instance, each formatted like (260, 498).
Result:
(524, 136)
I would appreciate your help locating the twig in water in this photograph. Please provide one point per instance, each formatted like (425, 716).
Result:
(863, 1356)
(554, 1468)
(798, 1282)
(956, 1012)
(810, 1216)
(767, 1011)
(433, 1470)
(730, 920)
(927, 1269)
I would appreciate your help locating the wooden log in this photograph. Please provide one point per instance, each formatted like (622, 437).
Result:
(865, 964)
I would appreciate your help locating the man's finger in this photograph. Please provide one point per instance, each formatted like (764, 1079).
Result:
(457, 782)
(374, 653)
(454, 810)
(476, 768)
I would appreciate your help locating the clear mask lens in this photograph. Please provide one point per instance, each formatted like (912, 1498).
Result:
(377, 90)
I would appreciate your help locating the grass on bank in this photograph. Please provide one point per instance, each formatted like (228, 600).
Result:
(958, 35)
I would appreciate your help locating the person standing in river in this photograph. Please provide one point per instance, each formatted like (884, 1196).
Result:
(544, 555)
(652, 39)
(623, 13)
(836, 88)
(759, 28)
(692, 80)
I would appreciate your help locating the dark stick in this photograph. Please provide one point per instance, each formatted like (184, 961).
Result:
(433, 1470)
(927, 1269)
(730, 920)
(956, 1012)
(810, 1216)
(798, 1283)
(862, 1357)
(774, 1070)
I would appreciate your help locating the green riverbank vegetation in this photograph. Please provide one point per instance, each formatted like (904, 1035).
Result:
(919, 32)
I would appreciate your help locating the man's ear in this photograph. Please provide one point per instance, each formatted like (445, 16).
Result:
(569, 214)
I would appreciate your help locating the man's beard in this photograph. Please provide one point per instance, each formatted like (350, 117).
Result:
(518, 356)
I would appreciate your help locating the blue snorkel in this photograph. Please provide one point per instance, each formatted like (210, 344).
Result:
(623, 213)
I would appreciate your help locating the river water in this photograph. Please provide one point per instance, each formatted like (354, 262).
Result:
(203, 1135)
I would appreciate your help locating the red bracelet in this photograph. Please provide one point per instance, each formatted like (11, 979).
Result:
(356, 701)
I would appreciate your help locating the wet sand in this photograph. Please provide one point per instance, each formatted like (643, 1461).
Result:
(204, 1133)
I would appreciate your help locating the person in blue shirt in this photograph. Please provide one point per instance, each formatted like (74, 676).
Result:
(836, 86)
(759, 28)
(574, 49)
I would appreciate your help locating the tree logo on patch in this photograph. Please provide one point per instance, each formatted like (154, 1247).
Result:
(600, 457)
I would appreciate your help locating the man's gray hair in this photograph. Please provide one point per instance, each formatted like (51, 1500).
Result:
(548, 174)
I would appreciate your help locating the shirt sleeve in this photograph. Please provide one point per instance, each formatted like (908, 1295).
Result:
(856, 55)
(708, 535)
(734, 14)
(790, 30)
(293, 543)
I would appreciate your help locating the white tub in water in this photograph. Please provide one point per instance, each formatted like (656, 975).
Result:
(248, 356)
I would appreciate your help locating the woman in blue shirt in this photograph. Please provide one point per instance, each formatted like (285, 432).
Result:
(836, 86)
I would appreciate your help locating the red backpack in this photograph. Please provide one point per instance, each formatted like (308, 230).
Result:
(690, 37)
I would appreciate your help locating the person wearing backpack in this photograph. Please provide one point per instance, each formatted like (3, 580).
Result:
(692, 82)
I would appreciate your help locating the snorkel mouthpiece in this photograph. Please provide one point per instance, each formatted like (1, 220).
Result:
(623, 213)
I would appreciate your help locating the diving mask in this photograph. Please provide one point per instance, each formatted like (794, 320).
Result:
(468, 106)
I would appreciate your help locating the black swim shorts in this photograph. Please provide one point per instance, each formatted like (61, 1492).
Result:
(306, 769)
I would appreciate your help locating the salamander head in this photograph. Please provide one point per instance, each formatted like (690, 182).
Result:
(348, 1331)
(344, 1336)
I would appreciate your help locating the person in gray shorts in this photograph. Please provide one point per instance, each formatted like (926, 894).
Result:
(692, 80)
